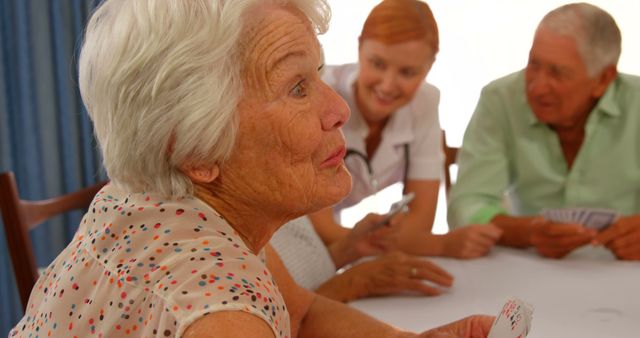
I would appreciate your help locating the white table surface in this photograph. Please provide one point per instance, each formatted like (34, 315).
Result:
(588, 294)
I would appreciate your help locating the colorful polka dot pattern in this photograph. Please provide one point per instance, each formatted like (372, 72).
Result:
(143, 267)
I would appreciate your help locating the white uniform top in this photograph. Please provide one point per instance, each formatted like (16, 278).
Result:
(415, 124)
(303, 253)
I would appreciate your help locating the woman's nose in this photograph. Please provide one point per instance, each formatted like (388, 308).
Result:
(336, 111)
(388, 83)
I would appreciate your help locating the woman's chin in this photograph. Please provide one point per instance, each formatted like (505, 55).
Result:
(335, 189)
(340, 187)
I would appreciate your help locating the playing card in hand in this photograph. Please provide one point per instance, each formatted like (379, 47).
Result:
(599, 218)
(513, 321)
(596, 218)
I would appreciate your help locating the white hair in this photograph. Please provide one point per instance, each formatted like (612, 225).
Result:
(594, 31)
(161, 81)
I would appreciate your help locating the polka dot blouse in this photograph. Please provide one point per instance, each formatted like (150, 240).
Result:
(141, 266)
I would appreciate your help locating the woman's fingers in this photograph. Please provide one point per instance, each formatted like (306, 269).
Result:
(398, 272)
(426, 270)
(418, 286)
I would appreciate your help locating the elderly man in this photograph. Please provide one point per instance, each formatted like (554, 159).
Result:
(563, 132)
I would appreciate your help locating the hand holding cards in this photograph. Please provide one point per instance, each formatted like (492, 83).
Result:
(513, 321)
(595, 218)
(396, 208)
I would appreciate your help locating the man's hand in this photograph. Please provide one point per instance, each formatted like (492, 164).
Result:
(556, 240)
(622, 238)
(476, 326)
(516, 229)
(471, 241)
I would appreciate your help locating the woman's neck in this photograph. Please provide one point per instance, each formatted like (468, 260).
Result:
(246, 221)
(374, 137)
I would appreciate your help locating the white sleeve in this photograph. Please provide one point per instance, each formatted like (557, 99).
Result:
(303, 253)
(425, 151)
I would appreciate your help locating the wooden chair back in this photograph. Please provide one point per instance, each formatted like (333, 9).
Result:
(450, 154)
(20, 216)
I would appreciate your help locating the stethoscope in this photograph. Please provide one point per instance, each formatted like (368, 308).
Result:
(372, 180)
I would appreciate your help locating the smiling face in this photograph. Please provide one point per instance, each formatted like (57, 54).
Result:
(558, 87)
(288, 158)
(390, 75)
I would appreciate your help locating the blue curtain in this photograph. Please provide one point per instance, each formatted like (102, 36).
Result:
(45, 135)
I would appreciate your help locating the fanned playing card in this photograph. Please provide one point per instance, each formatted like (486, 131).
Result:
(596, 218)
(513, 321)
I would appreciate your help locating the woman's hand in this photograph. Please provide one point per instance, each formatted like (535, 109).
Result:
(471, 241)
(367, 238)
(476, 326)
(392, 273)
(370, 238)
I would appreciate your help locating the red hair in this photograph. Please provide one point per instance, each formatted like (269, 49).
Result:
(396, 21)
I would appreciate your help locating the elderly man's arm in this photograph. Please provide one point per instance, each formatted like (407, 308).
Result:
(483, 166)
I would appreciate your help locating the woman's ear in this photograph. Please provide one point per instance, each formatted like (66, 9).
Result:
(200, 174)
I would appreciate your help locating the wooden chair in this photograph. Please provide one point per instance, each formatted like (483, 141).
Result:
(450, 154)
(20, 216)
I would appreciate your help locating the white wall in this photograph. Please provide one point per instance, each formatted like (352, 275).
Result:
(480, 40)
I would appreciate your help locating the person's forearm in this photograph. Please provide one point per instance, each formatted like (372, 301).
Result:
(415, 236)
(343, 287)
(421, 243)
(342, 252)
(329, 318)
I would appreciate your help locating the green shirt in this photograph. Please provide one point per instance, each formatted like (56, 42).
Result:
(510, 163)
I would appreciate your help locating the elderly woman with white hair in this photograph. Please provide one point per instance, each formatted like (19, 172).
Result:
(215, 129)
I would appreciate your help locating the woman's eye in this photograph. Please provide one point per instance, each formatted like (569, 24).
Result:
(409, 73)
(299, 90)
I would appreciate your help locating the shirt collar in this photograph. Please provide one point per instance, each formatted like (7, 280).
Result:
(607, 103)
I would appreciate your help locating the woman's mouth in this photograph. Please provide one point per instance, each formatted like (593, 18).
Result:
(336, 158)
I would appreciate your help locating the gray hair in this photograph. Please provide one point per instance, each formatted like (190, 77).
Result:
(161, 81)
(594, 31)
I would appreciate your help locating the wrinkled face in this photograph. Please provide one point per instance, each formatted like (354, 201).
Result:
(390, 75)
(288, 158)
(558, 87)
